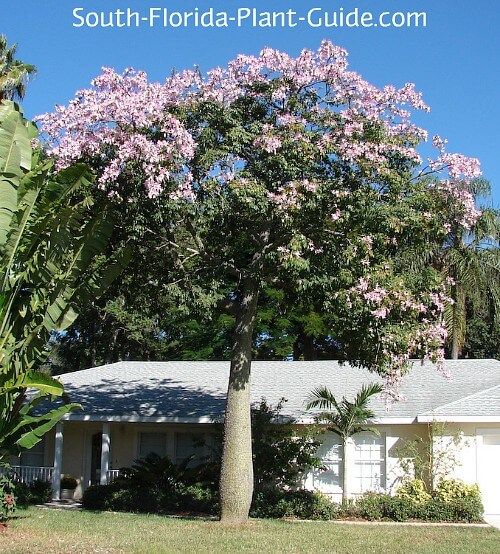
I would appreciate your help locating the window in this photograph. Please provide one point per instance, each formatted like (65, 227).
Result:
(369, 460)
(189, 444)
(152, 443)
(35, 456)
(330, 452)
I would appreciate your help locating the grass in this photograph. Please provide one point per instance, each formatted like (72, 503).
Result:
(39, 530)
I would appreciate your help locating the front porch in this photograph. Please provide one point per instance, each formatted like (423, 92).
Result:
(93, 451)
(29, 474)
(85, 455)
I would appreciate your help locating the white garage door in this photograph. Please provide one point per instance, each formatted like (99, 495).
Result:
(488, 468)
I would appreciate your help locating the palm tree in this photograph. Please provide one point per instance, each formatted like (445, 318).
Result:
(470, 259)
(344, 418)
(14, 74)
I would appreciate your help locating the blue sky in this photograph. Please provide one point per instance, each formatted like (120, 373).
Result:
(454, 61)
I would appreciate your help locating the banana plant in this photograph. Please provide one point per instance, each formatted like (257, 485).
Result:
(52, 254)
(52, 260)
(23, 421)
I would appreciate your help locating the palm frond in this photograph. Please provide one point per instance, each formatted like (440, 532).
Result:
(321, 398)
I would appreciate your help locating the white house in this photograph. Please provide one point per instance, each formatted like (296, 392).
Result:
(133, 408)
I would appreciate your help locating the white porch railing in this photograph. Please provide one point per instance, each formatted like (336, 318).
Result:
(28, 474)
(112, 474)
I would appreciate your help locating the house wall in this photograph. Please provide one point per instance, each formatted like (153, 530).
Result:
(478, 459)
(124, 450)
(387, 474)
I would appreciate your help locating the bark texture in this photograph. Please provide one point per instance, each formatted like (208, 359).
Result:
(236, 480)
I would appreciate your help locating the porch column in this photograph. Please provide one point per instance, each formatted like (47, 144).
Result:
(56, 473)
(105, 453)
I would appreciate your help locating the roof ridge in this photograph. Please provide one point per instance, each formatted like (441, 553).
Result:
(461, 399)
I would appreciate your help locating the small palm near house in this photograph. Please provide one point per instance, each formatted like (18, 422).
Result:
(345, 419)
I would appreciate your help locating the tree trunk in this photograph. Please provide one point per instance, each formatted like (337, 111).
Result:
(458, 314)
(455, 346)
(345, 491)
(236, 480)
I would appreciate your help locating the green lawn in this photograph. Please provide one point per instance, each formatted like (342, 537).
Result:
(39, 530)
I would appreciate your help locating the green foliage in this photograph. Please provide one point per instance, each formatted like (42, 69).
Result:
(414, 491)
(375, 506)
(300, 504)
(96, 497)
(68, 482)
(471, 259)
(466, 510)
(50, 251)
(50, 262)
(14, 74)
(344, 418)
(482, 339)
(7, 498)
(281, 453)
(21, 423)
(156, 485)
(37, 492)
(454, 489)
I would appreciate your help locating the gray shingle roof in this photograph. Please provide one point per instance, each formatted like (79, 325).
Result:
(187, 390)
(480, 404)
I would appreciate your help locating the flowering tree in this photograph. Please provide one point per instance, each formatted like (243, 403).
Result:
(287, 172)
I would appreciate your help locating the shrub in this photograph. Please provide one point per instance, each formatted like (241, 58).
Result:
(414, 491)
(40, 492)
(125, 495)
(199, 498)
(7, 498)
(135, 500)
(301, 504)
(22, 494)
(37, 492)
(453, 489)
(374, 506)
(377, 506)
(466, 510)
(96, 497)
(281, 453)
(400, 509)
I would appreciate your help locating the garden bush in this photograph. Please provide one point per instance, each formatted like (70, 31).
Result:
(467, 510)
(454, 489)
(414, 491)
(96, 497)
(301, 504)
(7, 498)
(154, 485)
(37, 492)
(375, 506)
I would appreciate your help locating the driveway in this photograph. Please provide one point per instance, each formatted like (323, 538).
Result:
(493, 520)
